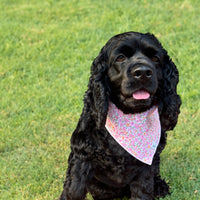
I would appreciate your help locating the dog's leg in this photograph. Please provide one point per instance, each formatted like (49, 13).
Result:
(78, 173)
(143, 186)
(161, 188)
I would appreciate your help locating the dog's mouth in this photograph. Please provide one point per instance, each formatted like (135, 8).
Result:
(138, 101)
(141, 95)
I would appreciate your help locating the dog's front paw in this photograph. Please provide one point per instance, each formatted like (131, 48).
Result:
(161, 188)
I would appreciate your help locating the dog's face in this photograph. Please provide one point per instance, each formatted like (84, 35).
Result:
(135, 68)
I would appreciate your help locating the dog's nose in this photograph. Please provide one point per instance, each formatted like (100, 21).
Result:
(142, 73)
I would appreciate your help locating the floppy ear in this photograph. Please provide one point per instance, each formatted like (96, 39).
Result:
(169, 105)
(100, 88)
(96, 99)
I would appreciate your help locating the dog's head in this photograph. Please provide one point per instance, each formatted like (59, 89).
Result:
(134, 72)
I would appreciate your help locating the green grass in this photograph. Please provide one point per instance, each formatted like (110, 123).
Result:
(46, 49)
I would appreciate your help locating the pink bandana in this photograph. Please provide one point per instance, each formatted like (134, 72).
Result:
(138, 134)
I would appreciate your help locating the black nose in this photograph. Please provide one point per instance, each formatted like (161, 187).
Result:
(142, 73)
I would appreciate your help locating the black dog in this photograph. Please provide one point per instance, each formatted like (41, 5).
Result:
(133, 72)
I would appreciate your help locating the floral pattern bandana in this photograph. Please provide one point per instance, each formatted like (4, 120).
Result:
(139, 134)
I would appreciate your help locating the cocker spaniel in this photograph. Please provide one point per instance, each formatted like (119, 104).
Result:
(130, 103)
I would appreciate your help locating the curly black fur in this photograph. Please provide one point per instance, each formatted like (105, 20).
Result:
(97, 164)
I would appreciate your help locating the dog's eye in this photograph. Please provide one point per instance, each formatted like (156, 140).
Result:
(120, 58)
(154, 59)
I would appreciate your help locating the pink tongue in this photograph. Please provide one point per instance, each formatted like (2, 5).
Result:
(141, 94)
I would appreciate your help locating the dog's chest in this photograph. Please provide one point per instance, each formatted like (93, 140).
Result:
(114, 165)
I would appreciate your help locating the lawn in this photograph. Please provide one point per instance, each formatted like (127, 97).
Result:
(46, 50)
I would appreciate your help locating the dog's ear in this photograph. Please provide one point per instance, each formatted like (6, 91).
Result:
(96, 99)
(100, 88)
(169, 104)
